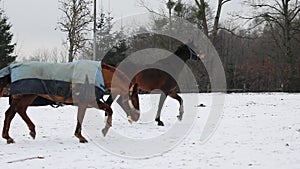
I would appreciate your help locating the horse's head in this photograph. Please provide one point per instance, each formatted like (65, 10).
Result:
(185, 52)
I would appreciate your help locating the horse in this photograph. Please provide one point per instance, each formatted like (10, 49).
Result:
(20, 102)
(154, 77)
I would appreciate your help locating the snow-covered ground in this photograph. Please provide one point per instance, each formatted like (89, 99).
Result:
(255, 131)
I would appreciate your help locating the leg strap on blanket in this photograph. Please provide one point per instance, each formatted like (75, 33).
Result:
(57, 104)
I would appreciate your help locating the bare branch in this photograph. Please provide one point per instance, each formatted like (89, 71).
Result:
(296, 12)
(224, 2)
(232, 31)
(144, 5)
(268, 6)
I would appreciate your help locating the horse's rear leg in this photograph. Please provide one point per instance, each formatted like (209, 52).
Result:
(80, 116)
(109, 113)
(174, 95)
(162, 99)
(9, 115)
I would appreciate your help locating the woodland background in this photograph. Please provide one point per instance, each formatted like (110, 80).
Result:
(259, 51)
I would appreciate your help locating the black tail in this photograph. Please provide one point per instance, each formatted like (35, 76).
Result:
(5, 79)
(4, 83)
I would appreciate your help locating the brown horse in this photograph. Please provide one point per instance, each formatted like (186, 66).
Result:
(20, 103)
(154, 77)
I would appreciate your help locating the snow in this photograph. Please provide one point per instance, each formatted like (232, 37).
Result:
(255, 131)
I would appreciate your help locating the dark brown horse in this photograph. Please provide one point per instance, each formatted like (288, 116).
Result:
(155, 77)
(20, 103)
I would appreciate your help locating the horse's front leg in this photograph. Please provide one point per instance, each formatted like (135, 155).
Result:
(109, 113)
(109, 102)
(9, 115)
(179, 99)
(80, 116)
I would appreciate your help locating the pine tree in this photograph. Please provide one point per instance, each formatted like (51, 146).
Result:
(6, 47)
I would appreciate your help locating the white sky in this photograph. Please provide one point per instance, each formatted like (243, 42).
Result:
(34, 21)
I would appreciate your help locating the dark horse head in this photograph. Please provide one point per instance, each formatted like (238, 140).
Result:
(185, 52)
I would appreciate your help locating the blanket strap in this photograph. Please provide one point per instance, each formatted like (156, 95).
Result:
(58, 104)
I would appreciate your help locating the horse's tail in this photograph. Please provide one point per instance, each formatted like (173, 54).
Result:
(5, 79)
(4, 83)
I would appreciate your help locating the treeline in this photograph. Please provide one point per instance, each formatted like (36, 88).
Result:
(250, 64)
(258, 63)
(263, 56)
(260, 56)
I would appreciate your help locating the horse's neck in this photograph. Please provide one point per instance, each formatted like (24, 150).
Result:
(172, 63)
(171, 59)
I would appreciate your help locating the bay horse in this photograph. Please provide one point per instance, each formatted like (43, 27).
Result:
(154, 77)
(20, 103)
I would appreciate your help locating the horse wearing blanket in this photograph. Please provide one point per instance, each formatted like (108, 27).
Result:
(82, 83)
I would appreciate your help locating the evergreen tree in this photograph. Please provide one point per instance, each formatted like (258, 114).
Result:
(117, 53)
(6, 47)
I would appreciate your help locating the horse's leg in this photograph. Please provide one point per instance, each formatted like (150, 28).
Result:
(22, 108)
(109, 113)
(80, 116)
(174, 95)
(9, 115)
(109, 101)
(162, 99)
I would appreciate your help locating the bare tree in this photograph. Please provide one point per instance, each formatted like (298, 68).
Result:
(75, 21)
(202, 15)
(45, 55)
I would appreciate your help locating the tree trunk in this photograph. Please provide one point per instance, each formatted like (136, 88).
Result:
(202, 15)
(216, 22)
(287, 44)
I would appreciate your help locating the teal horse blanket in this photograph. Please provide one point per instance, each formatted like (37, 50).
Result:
(4, 72)
(54, 78)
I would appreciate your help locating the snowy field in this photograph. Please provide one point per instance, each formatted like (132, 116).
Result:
(255, 131)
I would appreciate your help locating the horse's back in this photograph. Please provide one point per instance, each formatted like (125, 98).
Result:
(55, 79)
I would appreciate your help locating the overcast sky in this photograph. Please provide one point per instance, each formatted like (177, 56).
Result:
(34, 21)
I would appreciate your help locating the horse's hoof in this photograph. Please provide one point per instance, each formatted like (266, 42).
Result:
(32, 134)
(104, 131)
(179, 117)
(160, 123)
(83, 141)
(10, 141)
(130, 119)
